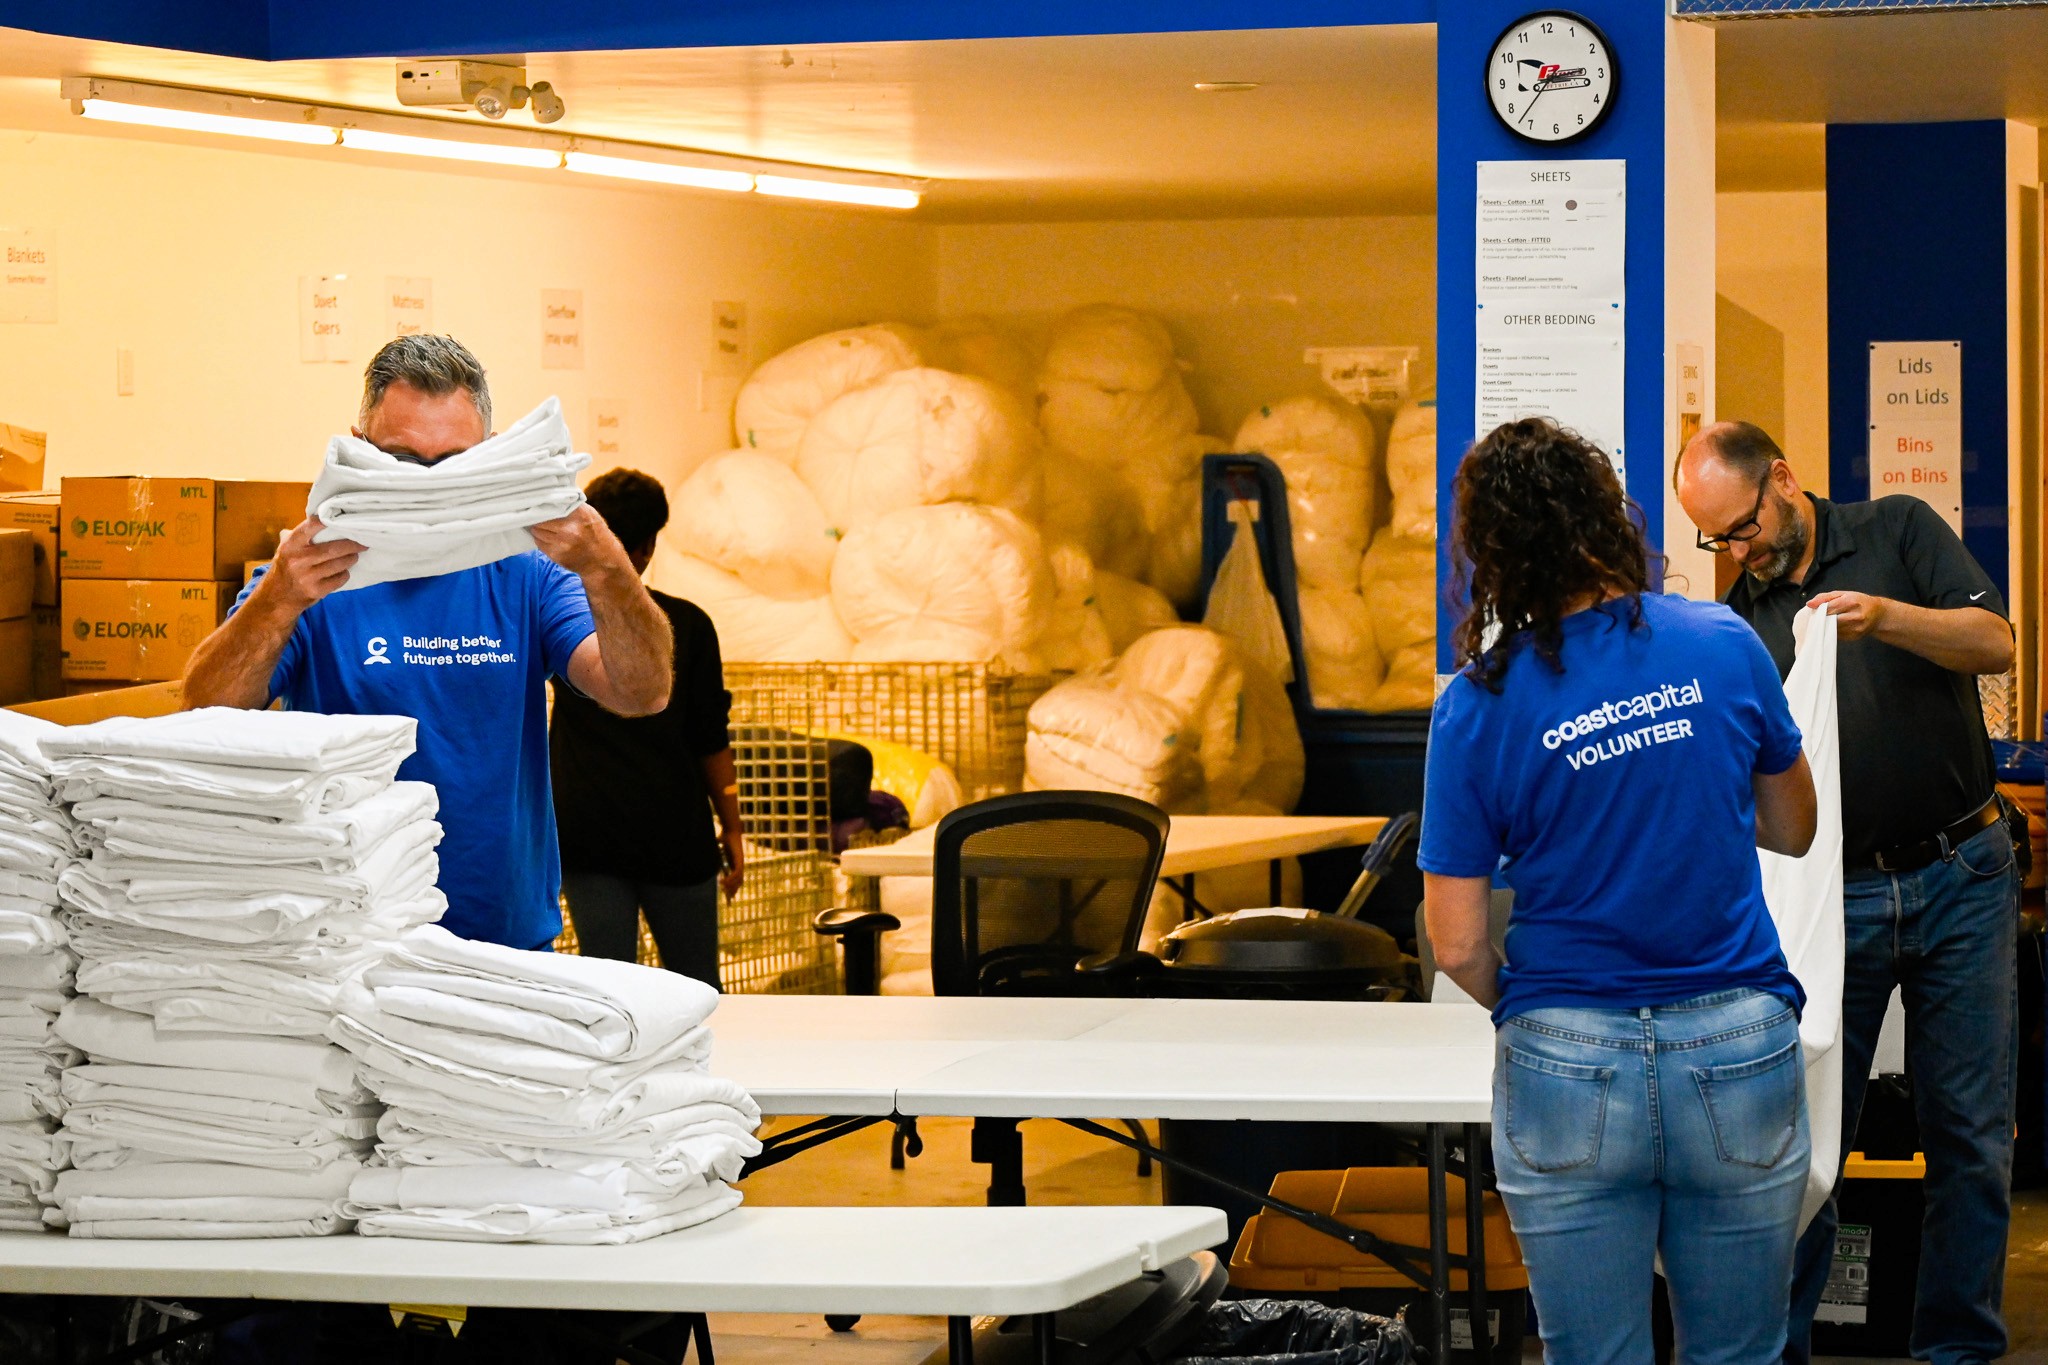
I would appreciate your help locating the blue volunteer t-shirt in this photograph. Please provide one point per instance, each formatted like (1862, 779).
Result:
(1616, 799)
(467, 655)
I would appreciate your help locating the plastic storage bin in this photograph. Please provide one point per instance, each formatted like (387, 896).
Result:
(1277, 1257)
(1867, 1308)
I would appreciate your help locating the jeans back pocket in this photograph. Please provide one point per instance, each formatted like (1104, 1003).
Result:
(1556, 1111)
(1753, 1107)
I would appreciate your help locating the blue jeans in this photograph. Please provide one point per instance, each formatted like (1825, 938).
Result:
(606, 911)
(1945, 936)
(1681, 1130)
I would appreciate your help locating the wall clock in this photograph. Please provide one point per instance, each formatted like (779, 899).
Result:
(1551, 76)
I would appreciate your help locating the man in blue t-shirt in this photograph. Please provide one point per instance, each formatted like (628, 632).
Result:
(467, 654)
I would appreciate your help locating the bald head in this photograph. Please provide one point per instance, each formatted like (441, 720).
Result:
(1736, 486)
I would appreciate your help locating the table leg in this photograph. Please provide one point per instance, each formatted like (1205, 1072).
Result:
(1044, 1340)
(1475, 1241)
(960, 1341)
(1439, 1252)
(999, 1145)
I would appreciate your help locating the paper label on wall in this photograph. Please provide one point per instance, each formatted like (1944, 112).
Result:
(1549, 264)
(728, 339)
(1550, 229)
(408, 305)
(325, 334)
(28, 275)
(1916, 424)
(1691, 391)
(561, 329)
(607, 438)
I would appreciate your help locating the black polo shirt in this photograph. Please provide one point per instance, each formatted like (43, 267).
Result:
(1915, 755)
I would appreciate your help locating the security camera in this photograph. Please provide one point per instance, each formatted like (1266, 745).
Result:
(547, 105)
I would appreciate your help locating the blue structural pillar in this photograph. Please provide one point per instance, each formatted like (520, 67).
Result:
(1917, 251)
(1661, 127)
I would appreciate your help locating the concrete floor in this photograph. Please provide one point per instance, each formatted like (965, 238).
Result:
(1063, 1166)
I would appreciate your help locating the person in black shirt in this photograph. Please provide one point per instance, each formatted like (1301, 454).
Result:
(1930, 885)
(634, 797)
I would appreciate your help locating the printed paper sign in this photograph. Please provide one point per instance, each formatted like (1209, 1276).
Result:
(28, 276)
(561, 329)
(324, 330)
(607, 439)
(1916, 423)
(408, 305)
(728, 339)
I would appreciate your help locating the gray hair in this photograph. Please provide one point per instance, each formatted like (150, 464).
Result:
(435, 365)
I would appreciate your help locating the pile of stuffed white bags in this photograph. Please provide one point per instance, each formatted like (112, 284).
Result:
(541, 1098)
(245, 870)
(36, 845)
(904, 495)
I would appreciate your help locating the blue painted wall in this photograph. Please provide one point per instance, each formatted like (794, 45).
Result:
(1468, 133)
(1916, 252)
(290, 29)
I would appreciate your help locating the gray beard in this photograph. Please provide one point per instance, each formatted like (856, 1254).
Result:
(1786, 551)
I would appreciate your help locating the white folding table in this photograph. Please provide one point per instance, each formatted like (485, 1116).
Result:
(1194, 844)
(866, 1059)
(956, 1263)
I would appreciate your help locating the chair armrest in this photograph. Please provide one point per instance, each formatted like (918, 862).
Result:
(843, 921)
(1134, 964)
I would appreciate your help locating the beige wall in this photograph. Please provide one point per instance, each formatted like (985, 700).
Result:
(190, 257)
(1244, 297)
(1771, 353)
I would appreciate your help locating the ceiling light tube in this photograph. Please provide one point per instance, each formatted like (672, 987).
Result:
(836, 192)
(454, 149)
(193, 121)
(660, 172)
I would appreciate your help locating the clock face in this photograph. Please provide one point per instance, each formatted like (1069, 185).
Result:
(1551, 77)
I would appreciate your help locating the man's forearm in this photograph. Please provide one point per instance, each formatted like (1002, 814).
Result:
(721, 777)
(633, 638)
(233, 666)
(1963, 639)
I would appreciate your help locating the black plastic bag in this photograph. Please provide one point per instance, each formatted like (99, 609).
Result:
(1271, 1331)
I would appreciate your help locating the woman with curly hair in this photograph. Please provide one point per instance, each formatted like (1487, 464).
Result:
(1615, 757)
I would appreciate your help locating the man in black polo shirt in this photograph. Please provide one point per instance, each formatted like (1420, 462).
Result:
(1930, 889)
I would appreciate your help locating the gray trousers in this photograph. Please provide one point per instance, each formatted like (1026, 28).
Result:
(606, 911)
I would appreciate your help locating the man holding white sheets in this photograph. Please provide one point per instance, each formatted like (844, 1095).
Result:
(466, 653)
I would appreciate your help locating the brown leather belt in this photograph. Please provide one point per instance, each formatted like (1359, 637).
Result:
(1912, 857)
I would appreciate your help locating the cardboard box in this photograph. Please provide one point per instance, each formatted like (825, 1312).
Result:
(21, 458)
(186, 530)
(36, 513)
(17, 673)
(17, 573)
(46, 653)
(148, 699)
(130, 630)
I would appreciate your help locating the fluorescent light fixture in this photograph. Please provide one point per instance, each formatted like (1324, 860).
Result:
(495, 153)
(660, 172)
(836, 192)
(193, 121)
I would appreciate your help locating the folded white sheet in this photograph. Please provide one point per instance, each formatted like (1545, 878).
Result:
(510, 1057)
(271, 742)
(556, 1226)
(401, 867)
(706, 1155)
(331, 842)
(30, 931)
(26, 891)
(108, 1034)
(215, 1209)
(461, 512)
(166, 1229)
(628, 1010)
(96, 1130)
(274, 927)
(144, 1179)
(103, 1080)
(51, 971)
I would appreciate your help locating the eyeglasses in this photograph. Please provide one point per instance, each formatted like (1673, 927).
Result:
(1744, 532)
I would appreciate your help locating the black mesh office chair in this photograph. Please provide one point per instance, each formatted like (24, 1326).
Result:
(1038, 893)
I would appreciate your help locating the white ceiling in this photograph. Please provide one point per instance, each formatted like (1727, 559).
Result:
(1344, 121)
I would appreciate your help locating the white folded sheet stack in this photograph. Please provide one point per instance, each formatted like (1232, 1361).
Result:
(460, 512)
(191, 1134)
(537, 1097)
(37, 843)
(245, 867)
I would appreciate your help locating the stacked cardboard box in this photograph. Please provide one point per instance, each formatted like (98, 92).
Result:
(17, 594)
(148, 567)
